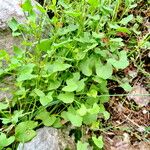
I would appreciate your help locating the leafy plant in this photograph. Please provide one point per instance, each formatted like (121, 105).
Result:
(62, 69)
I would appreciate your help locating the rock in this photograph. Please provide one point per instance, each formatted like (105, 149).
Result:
(139, 95)
(7, 41)
(6, 88)
(9, 9)
(48, 138)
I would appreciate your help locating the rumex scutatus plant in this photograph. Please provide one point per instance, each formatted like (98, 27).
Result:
(62, 68)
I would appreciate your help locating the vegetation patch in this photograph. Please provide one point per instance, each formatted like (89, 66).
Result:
(75, 68)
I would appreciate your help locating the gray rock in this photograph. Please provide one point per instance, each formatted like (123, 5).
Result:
(7, 41)
(6, 88)
(48, 139)
(9, 9)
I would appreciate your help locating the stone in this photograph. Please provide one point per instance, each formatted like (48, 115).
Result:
(6, 88)
(49, 138)
(7, 41)
(140, 95)
(9, 9)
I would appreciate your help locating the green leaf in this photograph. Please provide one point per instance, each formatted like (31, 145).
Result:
(57, 66)
(40, 8)
(89, 118)
(73, 13)
(70, 87)
(82, 110)
(4, 55)
(82, 146)
(1, 71)
(94, 3)
(92, 93)
(90, 47)
(57, 123)
(44, 45)
(54, 2)
(4, 141)
(98, 35)
(54, 84)
(18, 52)
(16, 33)
(126, 86)
(124, 30)
(26, 76)
(66, 97)
(85, 67)
(67, 29)
(46, 118)
(104, 71)
(94, 110)
(106, 115)
(39, 92)
(127, 19)
(87, 38)
(98, 141)
(13, 24)
(62, 44)
(26, 69)
(3, 106)
(13, 118)
(81, 85)
(17, 114)
(76, 77)
(122, 63)
(72, 83)
(45, 100)
(75, 119)
(95, 126)
(27, 6)
(24, 131)
(104, 112)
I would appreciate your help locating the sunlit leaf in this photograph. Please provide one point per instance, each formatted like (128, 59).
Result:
(104, 71)
(82, 146)
(127, 19)
(24, 131)
(66, 97)
(122, 63)
(75, 119)
(98, 141)
(47, 120)
(4, 141)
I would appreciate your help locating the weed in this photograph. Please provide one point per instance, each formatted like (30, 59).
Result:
(62, 69)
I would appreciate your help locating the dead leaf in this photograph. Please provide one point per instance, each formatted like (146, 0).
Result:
(118, 142)
(140, 146)
(139, 95)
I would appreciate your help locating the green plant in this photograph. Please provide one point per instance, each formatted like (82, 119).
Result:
(63, 74)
